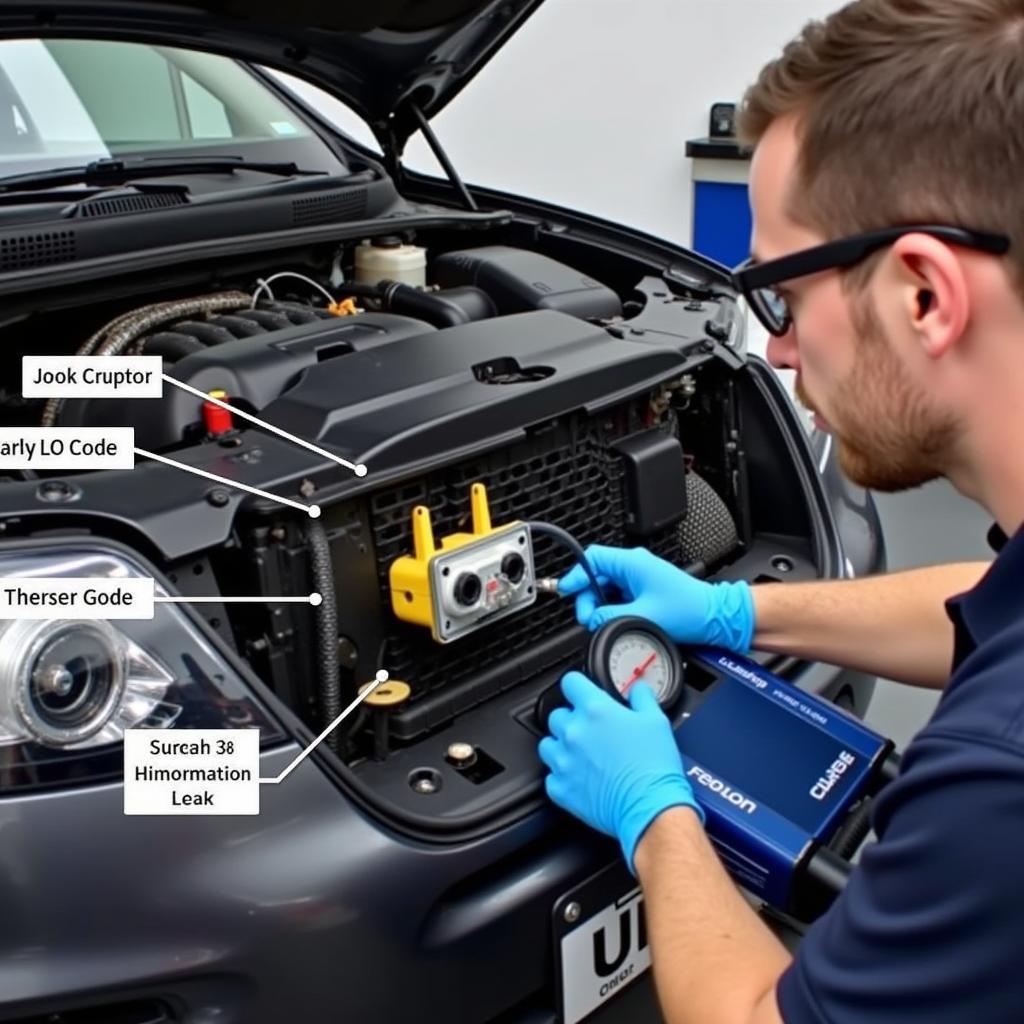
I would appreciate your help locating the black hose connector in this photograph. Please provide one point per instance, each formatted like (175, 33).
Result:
(818, 881)
(890, 769)
(360, 289)
(328, 663)
(853, 831)
(568, 540)
(450, 307)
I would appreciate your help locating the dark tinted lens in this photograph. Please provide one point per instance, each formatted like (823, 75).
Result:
(771, 309)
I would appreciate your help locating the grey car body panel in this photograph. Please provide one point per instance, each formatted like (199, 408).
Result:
(308, 911)
(854, 511)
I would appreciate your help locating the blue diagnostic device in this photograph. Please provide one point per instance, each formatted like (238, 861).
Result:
(777, 771)
(785, 778)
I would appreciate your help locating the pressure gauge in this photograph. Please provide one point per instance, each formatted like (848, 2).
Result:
(630, 650)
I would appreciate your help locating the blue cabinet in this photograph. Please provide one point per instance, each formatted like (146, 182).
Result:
(721, 201)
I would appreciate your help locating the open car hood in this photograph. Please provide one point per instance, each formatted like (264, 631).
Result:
(377, 56)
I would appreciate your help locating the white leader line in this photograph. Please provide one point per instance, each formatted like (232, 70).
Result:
(381, 677)
(358, 468)
(313, 599)
(312, 510)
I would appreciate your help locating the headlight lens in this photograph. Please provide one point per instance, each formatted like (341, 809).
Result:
(69, 688)
(63, 681)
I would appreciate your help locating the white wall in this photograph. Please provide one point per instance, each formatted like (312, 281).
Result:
(591, 103)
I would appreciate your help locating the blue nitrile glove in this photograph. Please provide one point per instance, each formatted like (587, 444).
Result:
(689, 610)
(616, 768)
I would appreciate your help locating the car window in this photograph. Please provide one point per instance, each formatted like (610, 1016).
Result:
(65, 101)
(341, 117)
(207, 115)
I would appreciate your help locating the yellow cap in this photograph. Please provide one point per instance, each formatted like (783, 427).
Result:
(388, 694)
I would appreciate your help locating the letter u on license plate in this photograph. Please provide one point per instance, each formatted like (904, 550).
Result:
(600, 944)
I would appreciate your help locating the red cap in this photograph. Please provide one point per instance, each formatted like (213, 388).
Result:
(216, 419)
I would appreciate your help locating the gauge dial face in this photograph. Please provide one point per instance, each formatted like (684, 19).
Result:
(638, 656)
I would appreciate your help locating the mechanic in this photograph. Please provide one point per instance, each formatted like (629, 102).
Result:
(909, 346)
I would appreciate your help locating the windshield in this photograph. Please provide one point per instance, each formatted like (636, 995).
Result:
(68, 102)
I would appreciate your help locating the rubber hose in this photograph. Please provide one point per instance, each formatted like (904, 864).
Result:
(853, 831)
(566, 539)
(326, 628)
(450, 307)
(361, 289)
(144, 320)
(433, 307)
(115, 337)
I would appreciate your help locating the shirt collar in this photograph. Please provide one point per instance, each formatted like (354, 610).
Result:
(997, 600)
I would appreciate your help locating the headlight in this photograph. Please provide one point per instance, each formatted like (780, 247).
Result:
(69, 688)
(63, 681)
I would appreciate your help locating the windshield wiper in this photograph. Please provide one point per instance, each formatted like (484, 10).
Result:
(119, 172)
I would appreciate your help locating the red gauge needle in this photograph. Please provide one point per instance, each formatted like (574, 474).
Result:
(638, 672)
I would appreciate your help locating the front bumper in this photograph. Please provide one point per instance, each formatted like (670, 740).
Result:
(309, 911)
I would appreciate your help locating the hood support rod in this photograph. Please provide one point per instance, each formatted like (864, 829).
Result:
(442, 157)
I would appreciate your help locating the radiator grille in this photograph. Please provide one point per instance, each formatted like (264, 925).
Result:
(567, 476)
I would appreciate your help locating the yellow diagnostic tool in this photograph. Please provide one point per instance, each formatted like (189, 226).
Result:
(467, 580)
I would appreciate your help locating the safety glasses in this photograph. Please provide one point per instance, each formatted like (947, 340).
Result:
(758, 282)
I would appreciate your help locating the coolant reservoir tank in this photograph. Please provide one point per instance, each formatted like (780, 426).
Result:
(389, 259)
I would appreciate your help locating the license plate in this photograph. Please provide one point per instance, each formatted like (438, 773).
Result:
(600, 942)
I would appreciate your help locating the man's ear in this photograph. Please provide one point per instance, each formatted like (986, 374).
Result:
(937, 297)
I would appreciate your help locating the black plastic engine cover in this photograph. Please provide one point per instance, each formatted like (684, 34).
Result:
(420, 398)
(253, 371)
(390, 390)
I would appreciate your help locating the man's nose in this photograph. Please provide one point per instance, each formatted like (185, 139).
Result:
(782, 351)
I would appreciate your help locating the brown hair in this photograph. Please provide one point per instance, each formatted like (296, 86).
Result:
(908, 111)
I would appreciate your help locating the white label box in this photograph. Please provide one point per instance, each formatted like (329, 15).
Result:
(92, 377)
(192, 771)
(67, 448)
(75, 597)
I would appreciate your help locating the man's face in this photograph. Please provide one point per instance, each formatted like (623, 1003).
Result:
(849, 369)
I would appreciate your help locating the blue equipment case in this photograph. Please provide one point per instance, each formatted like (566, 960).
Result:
(776, 771)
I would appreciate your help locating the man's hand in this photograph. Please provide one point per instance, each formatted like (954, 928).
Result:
(689, 610)
(615, 767)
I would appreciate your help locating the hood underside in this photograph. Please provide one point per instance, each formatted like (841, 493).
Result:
(377, 57)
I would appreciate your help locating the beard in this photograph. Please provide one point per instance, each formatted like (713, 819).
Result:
(889, 438)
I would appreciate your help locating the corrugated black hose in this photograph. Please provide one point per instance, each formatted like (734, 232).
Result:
(853, 831)
(326, 627)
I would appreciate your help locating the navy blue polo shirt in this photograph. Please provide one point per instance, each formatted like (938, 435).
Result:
(931, 925)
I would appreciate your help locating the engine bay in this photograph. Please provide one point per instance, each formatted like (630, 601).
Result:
(483, 386)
